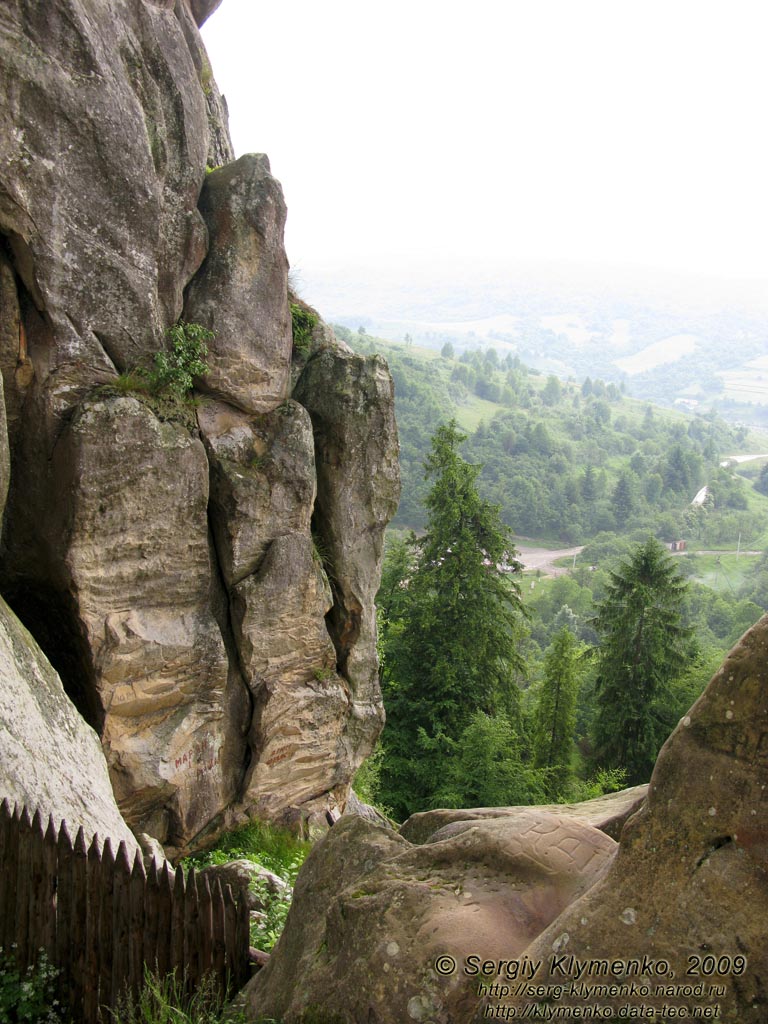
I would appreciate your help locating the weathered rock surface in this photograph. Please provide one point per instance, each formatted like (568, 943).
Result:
(135, 542)
(691, 876)
(241, 290)
(608, 813)
(105, 135)
(203, 9)
(350, 400)
(301, 705)
(263, 481)
(166, 565)
(5, 455)
(355, 805)
(49, 757)
(371, 913)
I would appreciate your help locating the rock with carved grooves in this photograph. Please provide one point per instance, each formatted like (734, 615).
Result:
(371, 914)
(608, 813)
(350, 400)
(262, 480)
(135, 537)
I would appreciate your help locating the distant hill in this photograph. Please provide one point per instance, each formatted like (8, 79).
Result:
(669, 341)
(566, 460)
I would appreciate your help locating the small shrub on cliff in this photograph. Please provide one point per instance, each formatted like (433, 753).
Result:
(175, 371)
(303, 322)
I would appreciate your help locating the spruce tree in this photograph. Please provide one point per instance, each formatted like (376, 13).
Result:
(453, 650)
(555, 718)
(644, 647)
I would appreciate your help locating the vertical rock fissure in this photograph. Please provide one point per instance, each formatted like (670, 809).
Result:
(222, 610)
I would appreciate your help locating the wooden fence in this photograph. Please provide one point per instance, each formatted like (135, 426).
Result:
(100, 918)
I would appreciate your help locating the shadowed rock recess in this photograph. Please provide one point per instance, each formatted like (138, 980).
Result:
(202, 577)
(565, 918)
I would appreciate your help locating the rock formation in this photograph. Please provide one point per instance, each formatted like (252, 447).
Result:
(608, 813)
(49, 758)
(201, 577)
(668, 923)
(372, 912)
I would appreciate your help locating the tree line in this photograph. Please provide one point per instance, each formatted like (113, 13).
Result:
(453, 627)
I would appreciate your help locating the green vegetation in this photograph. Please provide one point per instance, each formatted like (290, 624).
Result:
(164, 1001)
(303, 322)
(573, 464)
(172, 375)
(275, 849)
(644, 648)
(450, 650)
(565, 461)
(28, 998)
(569, 726)
(174, 371)
(554, 723)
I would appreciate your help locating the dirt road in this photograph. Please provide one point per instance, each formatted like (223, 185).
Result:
(544, 558)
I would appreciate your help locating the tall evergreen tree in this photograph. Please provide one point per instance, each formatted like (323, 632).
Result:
(453, 651)
(555, 719)
(623, 500)
(644, 647)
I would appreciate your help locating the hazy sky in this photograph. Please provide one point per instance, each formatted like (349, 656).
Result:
(600, 131)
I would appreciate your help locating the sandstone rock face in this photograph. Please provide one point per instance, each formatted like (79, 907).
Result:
(241, 291)
(5, 456)
(165, 563)
(263, 490)
(101, 167)
(350, 399)
(371, 914)
(690, 880)
(263, 482)
(608, 813)
(356, 806)
(49, 757)
(301, 704)
(139, 567)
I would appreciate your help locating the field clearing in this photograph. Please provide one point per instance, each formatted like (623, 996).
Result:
(471, 413)
(746, 386)
(668, 350)
(726, 571)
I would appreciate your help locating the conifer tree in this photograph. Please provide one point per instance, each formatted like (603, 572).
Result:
(644, 647)
(453, 651)
(555, 719)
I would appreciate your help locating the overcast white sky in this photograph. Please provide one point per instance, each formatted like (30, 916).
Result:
(600, 131)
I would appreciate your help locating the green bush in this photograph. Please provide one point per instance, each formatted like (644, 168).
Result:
(28, 998)
(174, 371)
(275, 849)
(303, 322)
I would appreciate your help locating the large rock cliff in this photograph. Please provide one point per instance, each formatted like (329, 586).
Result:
(201, 576)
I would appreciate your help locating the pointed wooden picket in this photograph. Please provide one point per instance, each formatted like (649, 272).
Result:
(103, 918)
